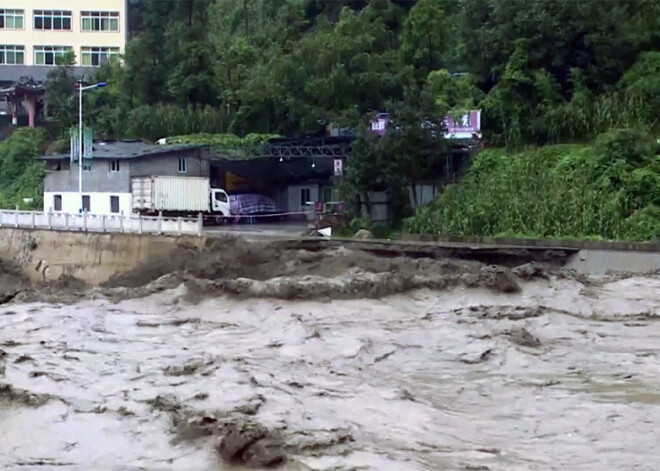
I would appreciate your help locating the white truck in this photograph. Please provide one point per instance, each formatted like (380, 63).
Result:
(178, 196)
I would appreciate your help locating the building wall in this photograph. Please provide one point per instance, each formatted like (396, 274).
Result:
(294, 195)
(100, 178)
(76, 38)
(99, 202)
(426, 192)
(168, 164)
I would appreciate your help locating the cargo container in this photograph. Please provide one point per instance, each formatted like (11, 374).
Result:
(180, 196)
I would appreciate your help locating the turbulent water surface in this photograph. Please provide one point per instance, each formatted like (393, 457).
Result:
(559, 376)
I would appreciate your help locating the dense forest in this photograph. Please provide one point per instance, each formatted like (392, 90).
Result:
(542, 71)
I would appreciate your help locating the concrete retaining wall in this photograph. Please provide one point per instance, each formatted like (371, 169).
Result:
(94, 258)
(555, 243)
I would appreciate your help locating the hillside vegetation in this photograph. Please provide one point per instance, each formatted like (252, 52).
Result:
(543, 72)
(21, 174)
(252, 145)
(608, 190)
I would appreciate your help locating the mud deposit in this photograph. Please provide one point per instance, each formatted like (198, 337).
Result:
(343, 361)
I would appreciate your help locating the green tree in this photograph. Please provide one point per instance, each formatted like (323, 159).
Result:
(456, 94)
(369, 169)
(425, 36)
(62, 106)
(21, 174)
(601, 38)
(518, 105)
(414, 141)
(642, 80)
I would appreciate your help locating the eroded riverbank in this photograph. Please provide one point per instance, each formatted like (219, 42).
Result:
(339, 361)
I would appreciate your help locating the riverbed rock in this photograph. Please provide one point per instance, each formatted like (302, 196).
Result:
(22, 396)
(523, 338)
(529, 271)
(265, 453)
(237, 440)
(363, 234)
(503, 280)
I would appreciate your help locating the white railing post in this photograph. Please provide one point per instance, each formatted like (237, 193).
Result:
(103, 223)
(139, 223)
(34, 214)
(16, 217)
(85, 221)
(178, 222)
(200, 225)
(160, 222)
(66, 221)
(121, 221)
(50, 219)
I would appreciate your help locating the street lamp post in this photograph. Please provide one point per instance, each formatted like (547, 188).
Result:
(81, 89)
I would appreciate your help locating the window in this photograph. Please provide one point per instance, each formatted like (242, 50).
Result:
(114, 204)
(220, 196)
(85, 203)
(57, 20)
(182, 165)
(57, 202)
(100, 21)
(305, 196)
(12, 55)
(95, 56)
(49, 55)
(11, 19)
(114, 165)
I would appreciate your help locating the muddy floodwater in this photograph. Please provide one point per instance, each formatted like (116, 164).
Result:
(562, 374)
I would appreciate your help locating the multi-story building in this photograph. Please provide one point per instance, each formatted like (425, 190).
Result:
(35, 33)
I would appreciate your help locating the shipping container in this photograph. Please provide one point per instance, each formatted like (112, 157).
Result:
(170, 194)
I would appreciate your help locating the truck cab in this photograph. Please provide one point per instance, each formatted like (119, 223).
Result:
(220, 202)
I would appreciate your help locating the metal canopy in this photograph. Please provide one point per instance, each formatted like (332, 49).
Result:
(310, 147)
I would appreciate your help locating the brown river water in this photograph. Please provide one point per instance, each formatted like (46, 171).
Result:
(564, 374)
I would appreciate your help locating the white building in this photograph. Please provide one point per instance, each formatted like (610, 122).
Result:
(106, 181)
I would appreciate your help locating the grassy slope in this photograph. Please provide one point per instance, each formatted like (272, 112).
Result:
(604, 191)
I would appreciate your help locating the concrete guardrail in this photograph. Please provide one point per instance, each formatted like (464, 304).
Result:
(134, 224)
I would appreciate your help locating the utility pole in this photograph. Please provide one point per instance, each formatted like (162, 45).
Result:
(81, 89)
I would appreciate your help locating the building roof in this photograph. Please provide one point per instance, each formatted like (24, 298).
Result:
(38, 73)
(127, 149)
(22, 87)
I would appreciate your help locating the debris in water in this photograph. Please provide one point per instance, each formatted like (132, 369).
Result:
(523, 338)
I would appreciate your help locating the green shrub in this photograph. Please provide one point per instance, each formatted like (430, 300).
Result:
(228, 144)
